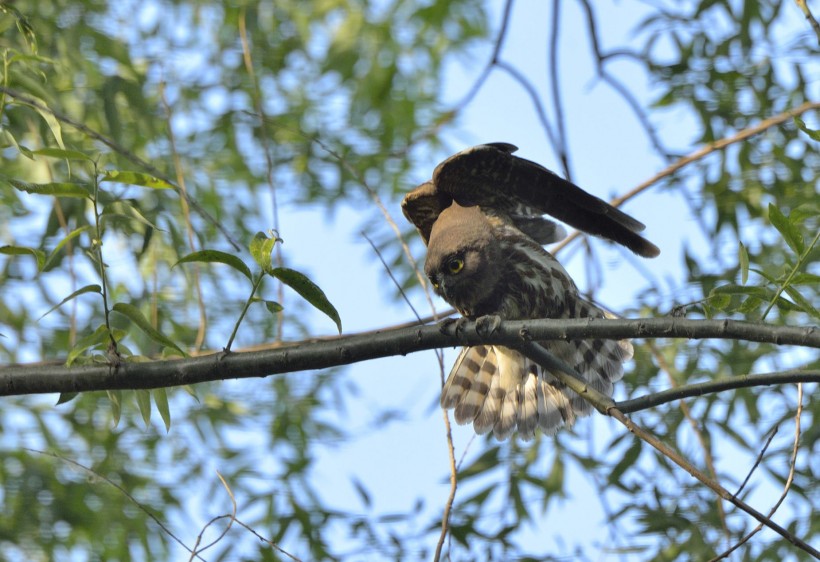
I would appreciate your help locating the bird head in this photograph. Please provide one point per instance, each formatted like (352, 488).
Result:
(464, 262)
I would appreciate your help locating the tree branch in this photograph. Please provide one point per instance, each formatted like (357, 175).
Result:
(332, 352)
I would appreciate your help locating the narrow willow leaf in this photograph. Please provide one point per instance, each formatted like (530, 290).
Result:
(66, 397)
(261, 247)
(815, 135)
(215, 256)
(62, 153)
(53, 123)
(134, 314)
(308, 290)
(57, 189)
(144, 403)
(136, 178)
(743, 259)
(732, 289)
(77, 293)
(630, 456)
(115, 396)
(13, 141)
(69, 237)
(39, 255)
(161, 400)
(801, 302)
(791, 234)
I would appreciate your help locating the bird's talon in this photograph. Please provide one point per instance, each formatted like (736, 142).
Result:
(487, 325)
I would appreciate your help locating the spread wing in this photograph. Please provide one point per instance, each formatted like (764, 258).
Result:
(490, 176)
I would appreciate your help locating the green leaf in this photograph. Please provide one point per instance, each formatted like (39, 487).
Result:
(261, 247)
(53, 123)
(743, 260)
(99, 336)
(486, 462)
(801, 301)
(630, 456)
(70, 236)
(215, 256)
(115, 396)
(81, 291)
(134, 314)
(62, 153)
(135, 178)
(814, 135)
(308, 290)
(791, 234)
(161, 400)
(144, 403)
(272, 306)
(732, 289)
(66, 397)
(57, 189)
(39, 255)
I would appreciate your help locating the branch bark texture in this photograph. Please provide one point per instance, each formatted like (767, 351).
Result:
(332, 352)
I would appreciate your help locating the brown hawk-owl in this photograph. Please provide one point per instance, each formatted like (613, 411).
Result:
(481, 219)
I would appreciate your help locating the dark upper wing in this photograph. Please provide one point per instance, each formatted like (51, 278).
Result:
(423, 205)
(490, 176)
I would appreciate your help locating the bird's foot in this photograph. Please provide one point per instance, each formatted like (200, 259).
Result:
(452, 326)
(486, 325)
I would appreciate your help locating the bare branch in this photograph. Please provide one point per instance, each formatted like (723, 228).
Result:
(332, 352)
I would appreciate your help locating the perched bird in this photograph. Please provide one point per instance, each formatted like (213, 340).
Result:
(484, 236)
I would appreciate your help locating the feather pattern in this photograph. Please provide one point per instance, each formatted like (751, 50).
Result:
(506, 273)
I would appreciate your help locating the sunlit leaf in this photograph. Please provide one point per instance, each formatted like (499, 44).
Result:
(135, 178)
(261, 247)
(115, 397)
(57, 189)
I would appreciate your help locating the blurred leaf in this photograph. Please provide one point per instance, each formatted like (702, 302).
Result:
(135, 178)
(57, 189)
(144, 403)
(791, 233)
(161, 400)
(815, 135)
(743, 260)
(39, 255)
(134, 314)
(62, 153)
(81, 291)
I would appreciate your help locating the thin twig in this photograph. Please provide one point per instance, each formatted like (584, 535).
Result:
(186, 212)
(122, 490)
(266, 147)
(789, 478)
(555, 86)
(705, 445)
(804, 7)
(568, 376)
(231, 518)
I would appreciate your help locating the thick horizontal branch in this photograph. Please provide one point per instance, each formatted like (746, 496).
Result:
(322, 354)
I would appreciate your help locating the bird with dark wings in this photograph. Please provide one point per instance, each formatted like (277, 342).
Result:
(481, 217)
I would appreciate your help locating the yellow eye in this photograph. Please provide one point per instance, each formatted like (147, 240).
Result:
(455, 265)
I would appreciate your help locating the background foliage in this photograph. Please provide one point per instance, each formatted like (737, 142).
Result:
(256, 108)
